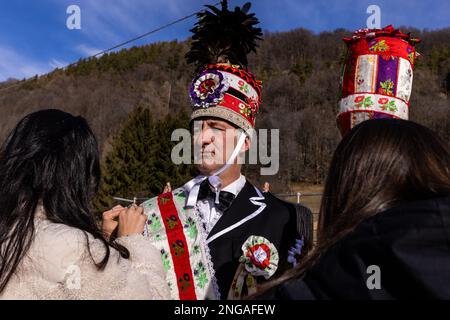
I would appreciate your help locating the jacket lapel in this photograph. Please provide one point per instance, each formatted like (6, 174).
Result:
(247, 205)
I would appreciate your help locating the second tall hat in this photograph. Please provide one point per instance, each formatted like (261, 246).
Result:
(377, 76)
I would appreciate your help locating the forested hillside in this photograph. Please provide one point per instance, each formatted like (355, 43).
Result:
(300, 72)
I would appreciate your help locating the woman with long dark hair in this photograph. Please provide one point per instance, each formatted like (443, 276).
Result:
(384, 225)
(50, 244)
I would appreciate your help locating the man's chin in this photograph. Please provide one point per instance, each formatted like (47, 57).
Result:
(207, 169)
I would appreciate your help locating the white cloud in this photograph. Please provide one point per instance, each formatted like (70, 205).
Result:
(55, 63)
(87, 51)
(114, 21)
(15, 65)
(107, 23)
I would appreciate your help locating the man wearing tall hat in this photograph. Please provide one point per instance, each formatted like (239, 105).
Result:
(219, 235)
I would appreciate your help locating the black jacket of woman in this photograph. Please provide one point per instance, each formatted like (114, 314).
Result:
(402, 253)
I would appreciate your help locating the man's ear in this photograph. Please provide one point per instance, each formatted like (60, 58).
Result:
(246, 145)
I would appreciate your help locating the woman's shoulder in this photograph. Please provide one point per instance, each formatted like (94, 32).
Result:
(424, 214)
(58, 236)
(57, 248)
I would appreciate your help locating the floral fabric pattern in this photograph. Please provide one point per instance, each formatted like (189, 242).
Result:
(205, 284)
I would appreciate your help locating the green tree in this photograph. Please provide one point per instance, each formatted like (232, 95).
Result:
(139, 164)
(302, 68)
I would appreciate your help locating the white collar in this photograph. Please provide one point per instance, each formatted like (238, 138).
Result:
(236, 186)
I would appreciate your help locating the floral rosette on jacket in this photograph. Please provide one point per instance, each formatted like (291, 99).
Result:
(259, 259)
(377, 76)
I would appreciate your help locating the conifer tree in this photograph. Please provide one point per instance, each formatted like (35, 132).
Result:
(139, 164)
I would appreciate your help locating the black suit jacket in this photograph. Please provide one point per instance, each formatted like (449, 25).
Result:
(277, 223)
(409, 243)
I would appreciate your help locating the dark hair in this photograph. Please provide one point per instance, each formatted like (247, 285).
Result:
(50, 156)
(379, 164)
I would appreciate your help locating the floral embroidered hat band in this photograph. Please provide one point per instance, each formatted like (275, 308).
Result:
(223, 87)
(226, 92)
(377, 76)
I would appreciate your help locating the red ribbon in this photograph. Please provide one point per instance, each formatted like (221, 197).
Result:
(178, 247)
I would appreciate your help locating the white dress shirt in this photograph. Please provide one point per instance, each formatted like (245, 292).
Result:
(207, 210)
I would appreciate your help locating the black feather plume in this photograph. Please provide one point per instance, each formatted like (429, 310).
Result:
(223, 36)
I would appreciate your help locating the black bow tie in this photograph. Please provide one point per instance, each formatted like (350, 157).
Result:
(225, 197)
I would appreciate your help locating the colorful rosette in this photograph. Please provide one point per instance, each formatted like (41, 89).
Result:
(207, 89)
(259, 259)
(377, 76)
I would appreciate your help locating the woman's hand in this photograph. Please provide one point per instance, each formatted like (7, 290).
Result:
(131, 221)
(110, 220)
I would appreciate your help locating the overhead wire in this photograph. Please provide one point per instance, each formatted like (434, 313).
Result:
(144, 35)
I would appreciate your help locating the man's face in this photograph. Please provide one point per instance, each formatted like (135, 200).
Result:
(214, 141)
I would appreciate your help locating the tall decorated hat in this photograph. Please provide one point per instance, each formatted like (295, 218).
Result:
(223, 87)
(377, 76)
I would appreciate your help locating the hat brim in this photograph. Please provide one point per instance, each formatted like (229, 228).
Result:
(224, 114)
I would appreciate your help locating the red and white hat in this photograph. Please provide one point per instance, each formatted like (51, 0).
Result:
(223, 87)
(377, 76)
(226, 92)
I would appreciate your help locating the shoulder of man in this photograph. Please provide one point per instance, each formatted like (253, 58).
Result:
(277, 202)
(282, 210)
(155, 227)
(152, 203)
(301, 213)
(300, 220)
(180, 246)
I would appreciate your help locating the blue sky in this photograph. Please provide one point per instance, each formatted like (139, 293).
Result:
(34, 38)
